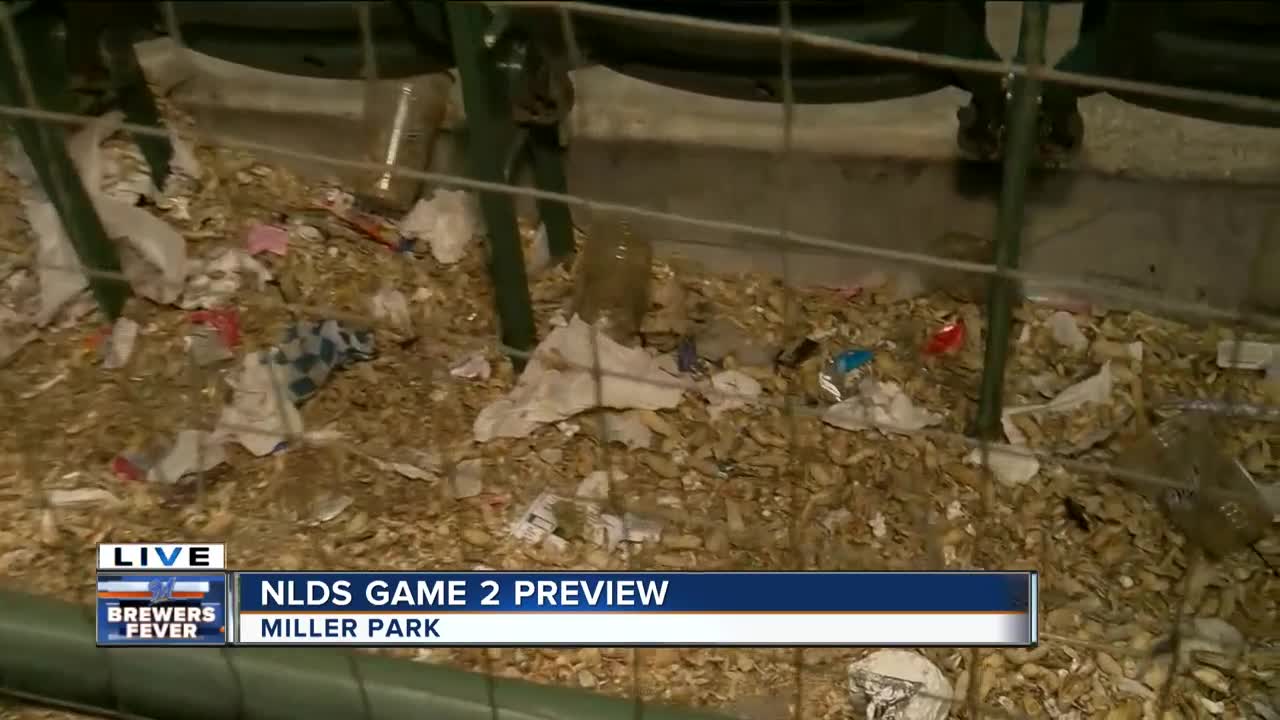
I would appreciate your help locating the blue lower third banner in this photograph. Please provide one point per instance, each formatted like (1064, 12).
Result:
(179, 609)
(637, 609)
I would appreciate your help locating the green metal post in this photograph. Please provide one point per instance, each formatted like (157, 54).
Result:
(489, 134)
(45, 145)
(1019, 149)
(548, 174)
(133, 95)
(48, 655)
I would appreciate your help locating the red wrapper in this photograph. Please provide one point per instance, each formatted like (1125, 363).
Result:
(948, 339)
(225, 321)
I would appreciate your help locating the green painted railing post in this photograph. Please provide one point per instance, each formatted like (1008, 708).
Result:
(133, 96)
(489, 134)
(548, 174)
(1020, 147)
(45, 144)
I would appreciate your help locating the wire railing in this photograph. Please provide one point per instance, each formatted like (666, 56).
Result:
(783, 239)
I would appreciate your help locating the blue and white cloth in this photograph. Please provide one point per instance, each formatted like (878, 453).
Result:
(312, 351)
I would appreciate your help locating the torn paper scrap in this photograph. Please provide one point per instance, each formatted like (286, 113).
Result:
(183, 161)
(413, 472)
(1012, 433)
(85, 149)
(193, 451)
(413, 463)
(59, 273)
(468, 479)
(260, 415)
(1246, 354)
(731, 389)
(538, 523)
(82, 498)
(153, 239)
(119, 345)
(163, 248)
(594, 486)
(899, 684)
(540, 252)
(473, 367)
(129, 181)
(626, 428)
(1093, 389)
(329, 506)
(392, 307)
(604, 530)
(1009, 467)
(267, 238)
(641, 529)
(538, 520)
(1065, 332)
(211, 282)
(558, 383)
(880, 405)
(449, 222)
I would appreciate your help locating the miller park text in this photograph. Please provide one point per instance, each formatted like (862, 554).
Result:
(370, 629)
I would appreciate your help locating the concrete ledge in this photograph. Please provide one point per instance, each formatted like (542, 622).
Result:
(1161, 202)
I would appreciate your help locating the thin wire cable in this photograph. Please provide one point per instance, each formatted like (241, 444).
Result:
(791, 321)
(174, 28)
(1177, 611)
(605, 452)
(766, 235)
(369, 53)
(370, 78)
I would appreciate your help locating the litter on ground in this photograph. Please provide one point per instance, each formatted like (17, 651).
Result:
(310, 445)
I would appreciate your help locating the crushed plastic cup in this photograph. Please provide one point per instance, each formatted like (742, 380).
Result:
(1215, 502)
(843, 370)
(948, 339)
(128, 467)
(850, 360)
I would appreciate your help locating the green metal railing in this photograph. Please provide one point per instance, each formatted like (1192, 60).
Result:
(47, 653)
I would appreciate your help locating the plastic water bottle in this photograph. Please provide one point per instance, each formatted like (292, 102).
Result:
(402, 118)
(1219, 505)
(613, 278)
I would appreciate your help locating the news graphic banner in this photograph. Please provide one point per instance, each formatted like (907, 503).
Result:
(153, 594)
(636, 609)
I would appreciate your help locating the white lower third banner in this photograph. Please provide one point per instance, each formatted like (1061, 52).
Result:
(640, 628)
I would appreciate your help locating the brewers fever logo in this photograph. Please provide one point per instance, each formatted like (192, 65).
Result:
(162, 610)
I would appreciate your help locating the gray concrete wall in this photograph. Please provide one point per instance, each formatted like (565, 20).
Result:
(1154, 201)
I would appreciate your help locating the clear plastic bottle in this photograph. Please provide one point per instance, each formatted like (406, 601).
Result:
(613, 278)
(402, 118)
(1219, 506)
